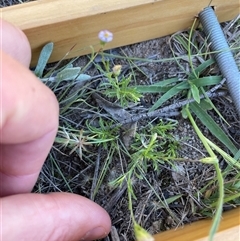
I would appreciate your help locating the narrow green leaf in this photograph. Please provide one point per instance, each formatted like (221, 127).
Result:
(195, 93)
(231, 161)
(237, 185)
(166, 82)
(201, 68)
(169, 94)
(144, 89)
(159, 87)
(173, 199)
(166, 85)
(207, 120)
(212, 105)
(43, 59)
(227, 199)
(237, 155)
(183, 41)
(205, 104)
(184, 113)
(206, 81)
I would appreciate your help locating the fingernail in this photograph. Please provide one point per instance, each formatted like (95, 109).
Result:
(96, 233)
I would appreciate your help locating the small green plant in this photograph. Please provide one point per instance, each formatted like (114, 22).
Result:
(151, 149)
(104, 132)
(118, 86)
(121, 90)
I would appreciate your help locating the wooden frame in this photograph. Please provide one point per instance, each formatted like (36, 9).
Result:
(77, 22)
(229, 230)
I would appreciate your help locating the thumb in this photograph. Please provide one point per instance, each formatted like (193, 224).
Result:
(50, 217)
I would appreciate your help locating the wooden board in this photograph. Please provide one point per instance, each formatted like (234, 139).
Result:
(229, 230)
(77, 22)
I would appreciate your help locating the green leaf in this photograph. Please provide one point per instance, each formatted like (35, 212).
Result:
(68, 73)
(195, 93)
(83, 77)
(72, 74)
(201, 68)
(141, 234)
(211, 105)
(173, 199)
(183, 41)
(227, 199)
(166, 85)
(43, 59)
(166, 82)
(159, 87)
(206, 81)
(169, 94)
(151, 89)
(205, 104)
(184, 113)
(237, 155)
(207, 120)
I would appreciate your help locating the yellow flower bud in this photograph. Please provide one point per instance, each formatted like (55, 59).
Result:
(141, 234)
(117, 69)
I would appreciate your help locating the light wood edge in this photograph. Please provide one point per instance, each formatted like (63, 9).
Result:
(229, 230)
(77, 23)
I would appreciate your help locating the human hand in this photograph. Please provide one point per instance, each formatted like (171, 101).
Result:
(28, 125)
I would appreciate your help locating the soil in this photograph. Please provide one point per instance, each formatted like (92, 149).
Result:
(187, 178)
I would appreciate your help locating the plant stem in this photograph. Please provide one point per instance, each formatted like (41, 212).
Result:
(212, 160)
(217, 216)
(200, 135)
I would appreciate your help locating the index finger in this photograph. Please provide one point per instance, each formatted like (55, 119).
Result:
(28, 125)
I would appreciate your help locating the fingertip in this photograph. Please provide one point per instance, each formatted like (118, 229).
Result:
(96, 219)
(15, 43)
(55, 216)
(95, 233)
(29, 108)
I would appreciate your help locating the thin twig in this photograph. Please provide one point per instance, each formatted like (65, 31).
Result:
(95, 176)
(115, 197)
(169, 110)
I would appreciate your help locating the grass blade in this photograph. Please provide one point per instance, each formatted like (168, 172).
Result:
(169, 94)
(159, 87)
(206, 81)
(201, 68)
(213, 127)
